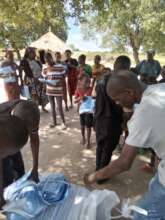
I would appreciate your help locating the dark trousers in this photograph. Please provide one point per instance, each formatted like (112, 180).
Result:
(53, 108)
(13, 168)
(107, 138)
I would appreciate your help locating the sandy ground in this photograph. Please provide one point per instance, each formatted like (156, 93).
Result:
(60, 151)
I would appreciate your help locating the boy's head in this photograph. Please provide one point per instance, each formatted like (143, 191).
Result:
(48, 58)
(122, 63)
(9, 55)
(97, 59)
(150, 54)
(29, 113)
(107, 71)
(83, 82)
(68, 54)
(58, 57)
(30, 53)
(82, 59)
(13, 135)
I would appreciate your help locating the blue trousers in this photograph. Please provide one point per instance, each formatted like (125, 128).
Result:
(153, 201)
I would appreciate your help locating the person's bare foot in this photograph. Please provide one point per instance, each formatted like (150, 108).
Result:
(52, 125)
(83, 141)
(45, 110)
(63, 126)
(89, 179)
(66, 109)
(88, 145)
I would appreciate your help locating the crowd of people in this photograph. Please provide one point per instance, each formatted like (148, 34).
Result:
(111, 101)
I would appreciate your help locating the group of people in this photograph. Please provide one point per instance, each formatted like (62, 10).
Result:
(105, 99)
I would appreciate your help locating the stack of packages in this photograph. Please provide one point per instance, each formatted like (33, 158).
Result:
(55, 198)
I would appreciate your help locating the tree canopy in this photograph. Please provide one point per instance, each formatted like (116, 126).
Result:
(24, 21)
(121, 24)
(124, 24)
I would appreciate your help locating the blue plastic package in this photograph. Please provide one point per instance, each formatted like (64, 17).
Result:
(27, 199)
(87, 106)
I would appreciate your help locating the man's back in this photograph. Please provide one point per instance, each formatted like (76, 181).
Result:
(147, 125)
(105, 106)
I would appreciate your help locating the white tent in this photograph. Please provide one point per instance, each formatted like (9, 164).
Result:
(50, 41)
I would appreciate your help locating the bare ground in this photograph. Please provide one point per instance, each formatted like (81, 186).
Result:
(60, 151)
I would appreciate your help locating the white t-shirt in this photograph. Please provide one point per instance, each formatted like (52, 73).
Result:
(147, 125)
(36, 68)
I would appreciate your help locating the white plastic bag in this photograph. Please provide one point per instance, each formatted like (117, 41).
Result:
(83, 205)
(25, 92)
(80, 204)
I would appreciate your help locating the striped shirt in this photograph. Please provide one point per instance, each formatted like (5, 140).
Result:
(55, 77)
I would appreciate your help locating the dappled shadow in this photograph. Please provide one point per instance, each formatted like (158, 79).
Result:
(60, 151)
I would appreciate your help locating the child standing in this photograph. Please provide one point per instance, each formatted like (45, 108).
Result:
(85, 107)
(55, 77)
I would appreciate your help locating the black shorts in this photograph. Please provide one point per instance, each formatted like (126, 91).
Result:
(86, 119)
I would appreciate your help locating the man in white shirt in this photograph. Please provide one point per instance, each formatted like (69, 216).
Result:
(146, 129)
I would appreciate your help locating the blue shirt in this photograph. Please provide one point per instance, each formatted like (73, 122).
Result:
(149, 68)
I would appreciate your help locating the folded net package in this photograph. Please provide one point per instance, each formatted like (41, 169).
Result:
(55, 198)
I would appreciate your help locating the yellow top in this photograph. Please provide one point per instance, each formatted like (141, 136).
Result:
(97, 71)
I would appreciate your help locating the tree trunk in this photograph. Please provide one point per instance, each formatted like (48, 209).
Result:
(18, 53)
(16, 50)
(136, 55)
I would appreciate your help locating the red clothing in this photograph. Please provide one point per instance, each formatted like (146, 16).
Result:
(72, 75)
(72, 80)
(80, 93)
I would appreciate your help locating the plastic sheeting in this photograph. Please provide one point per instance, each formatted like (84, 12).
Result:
(79, 204)
(28, 199)
(87, 106)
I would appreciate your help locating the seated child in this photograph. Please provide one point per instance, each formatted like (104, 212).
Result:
(85, 107)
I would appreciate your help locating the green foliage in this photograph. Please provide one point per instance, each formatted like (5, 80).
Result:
(128, 23)
(24, 21)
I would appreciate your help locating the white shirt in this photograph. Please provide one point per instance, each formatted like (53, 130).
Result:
(147, 125)
(8, 74)
(36, 68)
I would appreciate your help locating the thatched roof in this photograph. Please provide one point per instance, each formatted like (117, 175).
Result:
(50, 41)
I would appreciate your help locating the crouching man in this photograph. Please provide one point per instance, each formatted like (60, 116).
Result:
(28, 116)
(146, 129)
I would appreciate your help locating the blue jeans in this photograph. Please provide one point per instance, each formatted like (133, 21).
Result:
(153, 202)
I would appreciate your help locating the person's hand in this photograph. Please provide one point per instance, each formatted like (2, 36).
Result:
(34, 176)
(36, 81)
(89, 179)
(84, 98)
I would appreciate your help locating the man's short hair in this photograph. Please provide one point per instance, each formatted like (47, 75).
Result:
(13, 131)
(85, 78)
(82, 56)
(151, 51)
(48, 56)
(122, 63)
(98, 56)
(68, 51)
(29, 113)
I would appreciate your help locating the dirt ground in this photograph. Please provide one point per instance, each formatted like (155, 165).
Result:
(60, 151)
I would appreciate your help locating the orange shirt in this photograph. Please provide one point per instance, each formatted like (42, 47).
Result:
(97, 71)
